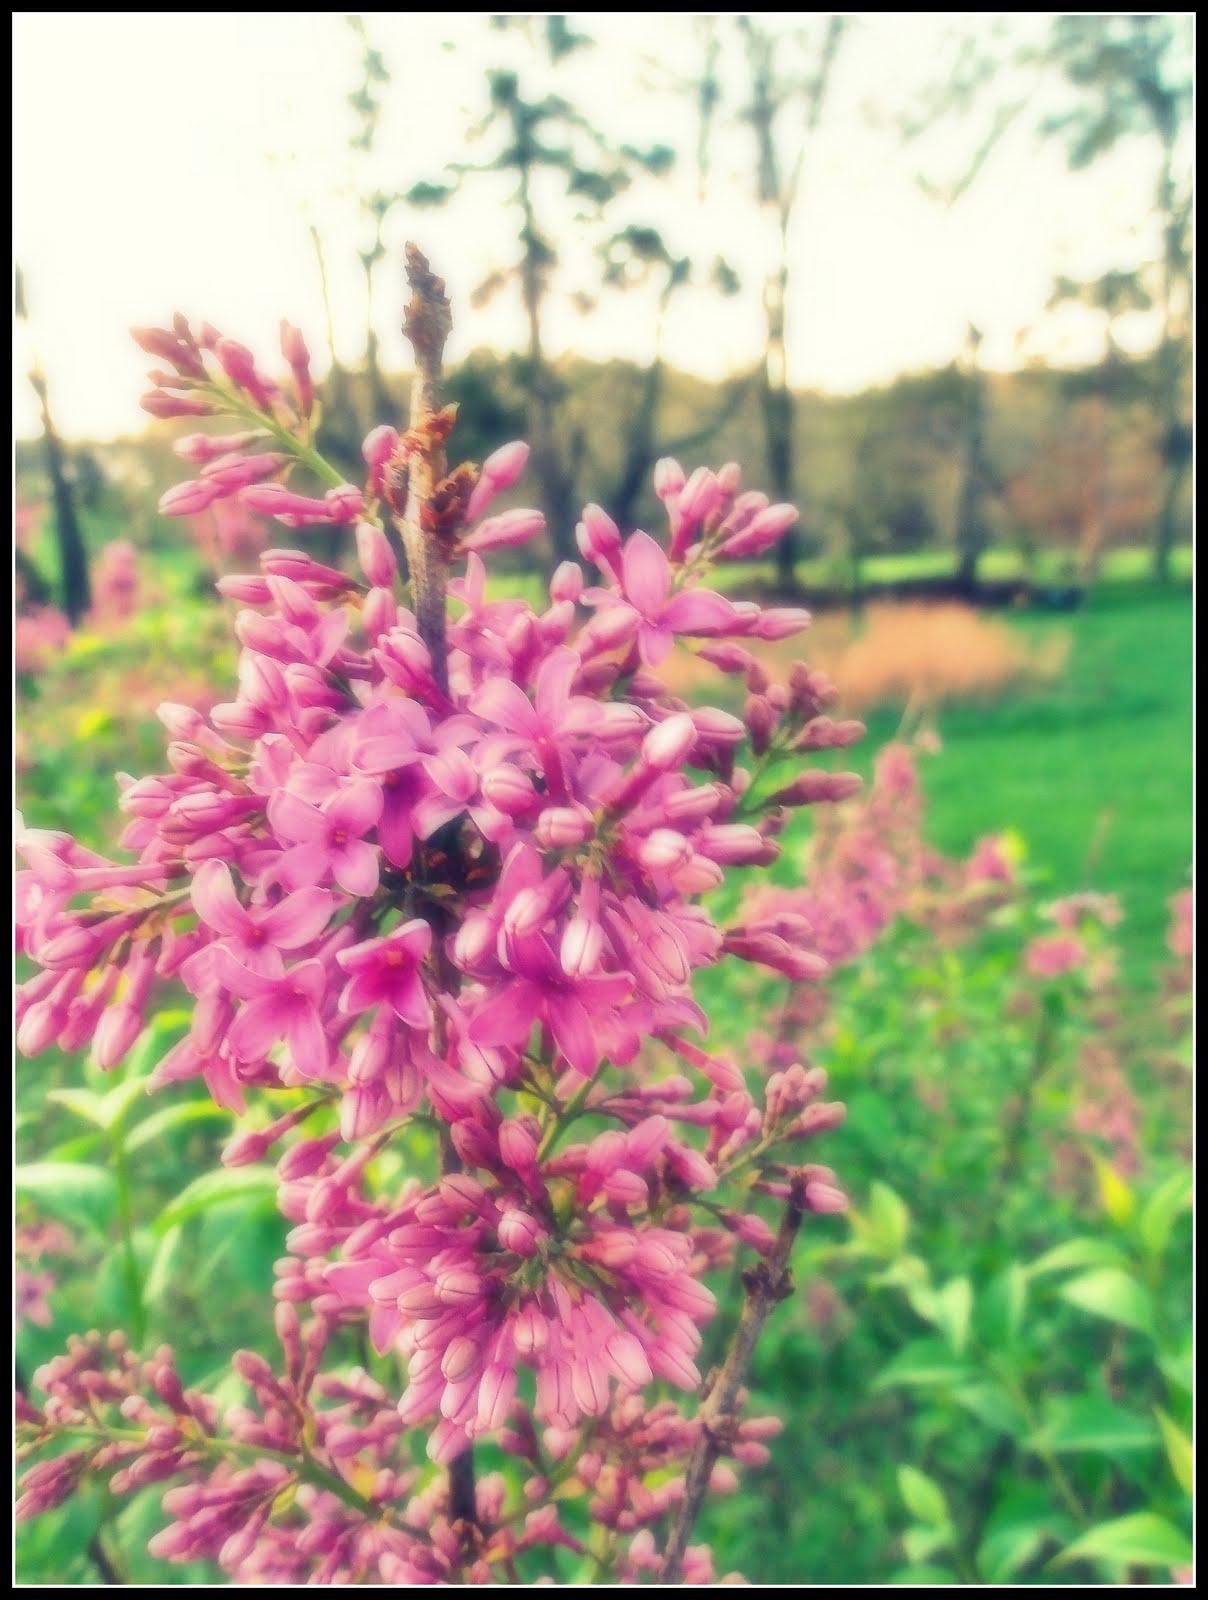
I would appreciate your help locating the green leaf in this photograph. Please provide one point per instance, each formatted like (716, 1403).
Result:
(163, 1264)
(908, 1273)
(953, 1310)
(1161, 1211)
(212, 1189)
(925, 1364)
(1017, 1532)
(81, 1103)
(1075, 1253)
(77, 1149)
(921, 1577)
(992, 1404)
(1001, 1307)
(1179, 1451)
(1141, 1540)
(1112, 1294)
(1177, 1367)
(883, 1226)
(922, 1497)
(156, 1039)
(168, 1118)
(1091, 1422)
(919, 1543)
(70, 1190)
(1117, 1199)
(119, 1100)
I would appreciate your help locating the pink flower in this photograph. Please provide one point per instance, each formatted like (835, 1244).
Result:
(279, 1006)
(256, 935)
(573, 1008)
(501, 469)
(329, 841)
(646, 588)
(1053, 955)
(386, 972)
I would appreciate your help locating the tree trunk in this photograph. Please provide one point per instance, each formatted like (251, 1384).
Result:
(1176, 444)
(778, 408)
(970, 510)
(33, 587)
(73, 556)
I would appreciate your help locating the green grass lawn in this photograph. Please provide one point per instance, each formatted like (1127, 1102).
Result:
(1092, 769)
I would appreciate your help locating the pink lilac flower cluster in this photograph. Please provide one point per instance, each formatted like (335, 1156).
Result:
(871, 865)
(39, 634)
(1106, 1108)
(115, 583)
(27, 519)
(310, 1481)
(1077, 946)
(456, 880)
(33, 1241)
(1179, 975)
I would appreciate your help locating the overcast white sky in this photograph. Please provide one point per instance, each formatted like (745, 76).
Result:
(175, 161)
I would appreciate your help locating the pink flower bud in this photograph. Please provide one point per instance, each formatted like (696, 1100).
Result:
(202, 447)
(159, 403)
(505, 466)
(598, 536)
(517, 1146)
(512, 528)
(297, 356)
(668, 478)
(582, 947)
(344, 503)
(667, 746)
(567, 581)
(762, 532)
(813, 787)
(375, 555)
(825, 1198)
(501, 469)
(187, 499)
(664, 850)
(780, 622)
(519, 1232)
(564, 827)
(240, 367)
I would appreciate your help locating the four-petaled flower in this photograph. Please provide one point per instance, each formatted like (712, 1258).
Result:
(386, 972)
(329, 840)
(257, 934)
(646, 588)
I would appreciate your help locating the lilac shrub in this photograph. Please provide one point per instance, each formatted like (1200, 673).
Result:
(449, 869)
(870, 866)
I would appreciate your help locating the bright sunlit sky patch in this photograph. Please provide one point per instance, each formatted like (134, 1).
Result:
(177, 161)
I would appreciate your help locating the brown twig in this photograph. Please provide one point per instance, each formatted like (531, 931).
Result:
(427, 322)
(766, 1284)
(99, 1557)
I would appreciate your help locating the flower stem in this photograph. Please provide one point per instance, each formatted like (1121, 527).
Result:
(766, 1284)
(426, 323)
